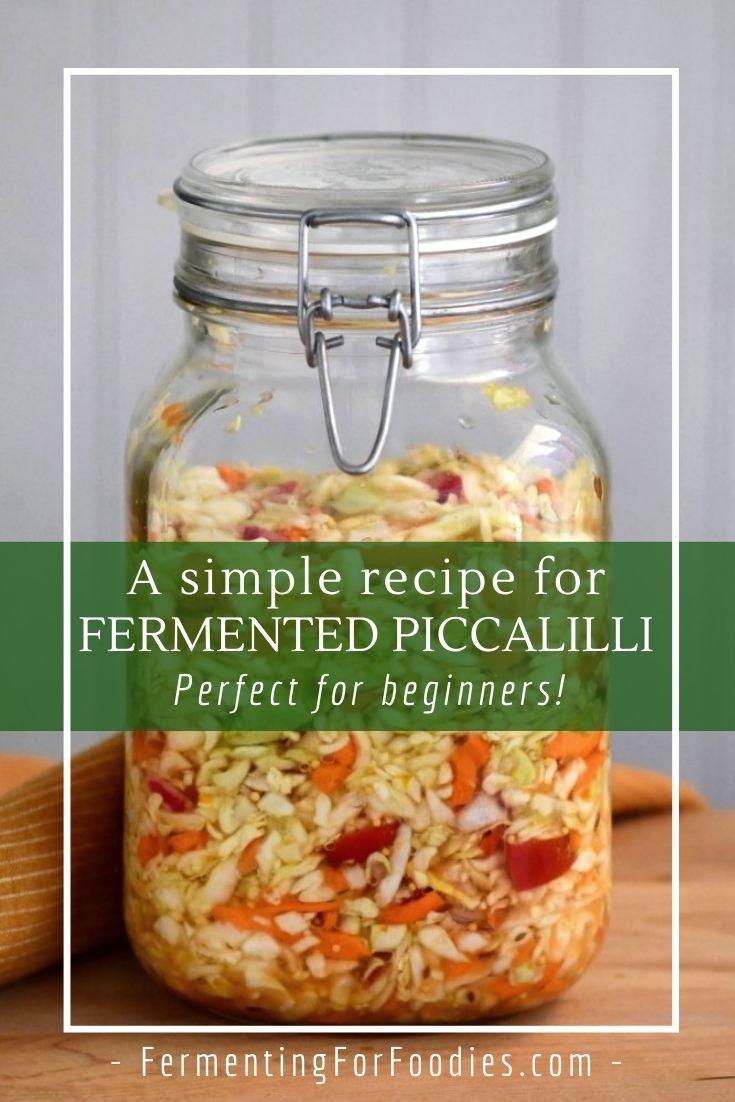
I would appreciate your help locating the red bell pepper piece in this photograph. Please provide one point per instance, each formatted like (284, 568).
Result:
(357, 845)
(287, 487)
(538, 861)
(445, 483)
(490, 842)
(174, 798)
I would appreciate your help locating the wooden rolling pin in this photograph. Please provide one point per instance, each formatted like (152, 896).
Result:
(31, 882)
(31, 845)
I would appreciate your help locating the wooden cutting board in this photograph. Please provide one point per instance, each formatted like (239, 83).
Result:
(628, 984)
(16, 769)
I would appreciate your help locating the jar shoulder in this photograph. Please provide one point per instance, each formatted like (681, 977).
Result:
(222, 393)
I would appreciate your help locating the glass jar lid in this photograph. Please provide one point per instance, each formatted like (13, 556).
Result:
(464, 193)
(468, 220)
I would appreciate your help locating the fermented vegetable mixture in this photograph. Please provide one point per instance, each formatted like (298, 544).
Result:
(370, 877)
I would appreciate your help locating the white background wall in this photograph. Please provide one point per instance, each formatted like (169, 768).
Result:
(609, 137)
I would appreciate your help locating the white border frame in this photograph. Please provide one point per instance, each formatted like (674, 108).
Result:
(673, 1026)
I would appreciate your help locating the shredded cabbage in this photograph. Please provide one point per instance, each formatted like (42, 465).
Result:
(236, 902)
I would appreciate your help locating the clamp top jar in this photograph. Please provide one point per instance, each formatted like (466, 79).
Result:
(351, 876)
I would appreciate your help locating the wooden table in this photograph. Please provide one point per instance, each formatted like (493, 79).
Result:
(629, 984)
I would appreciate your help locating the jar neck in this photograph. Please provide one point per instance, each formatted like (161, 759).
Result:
(503, 342)
(507, 276)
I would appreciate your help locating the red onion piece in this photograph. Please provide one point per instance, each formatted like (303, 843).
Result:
(254, 532)
(445, 483)
(174, 798)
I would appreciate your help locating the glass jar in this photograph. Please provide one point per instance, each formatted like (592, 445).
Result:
(348, 876)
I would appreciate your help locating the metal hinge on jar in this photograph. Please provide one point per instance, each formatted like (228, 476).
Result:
(401, 346)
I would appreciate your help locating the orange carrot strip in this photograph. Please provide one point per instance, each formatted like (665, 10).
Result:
(550, 971)
(294, 534)
(554, 988)
(496, 917)
(504, 989)
(150, 846)
(465, 780)
(248, 912)
(233, 477)
(240, 915)
(173, 414)
(467, 760)
(346, 754)
(332, 773)
(552, 982)
(188, 840)
(335, 878)
(465, 777)
(246, 918)
(329, 776)
(545, 485)
(336, 945)
(593, 765)
(465, 969)
(413, 910)
(572, 744)
(478, 748)
(147, 745)
(247, 862)
(292, 903)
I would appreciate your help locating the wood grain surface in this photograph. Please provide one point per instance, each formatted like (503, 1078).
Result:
(31, 898)
(628, 984)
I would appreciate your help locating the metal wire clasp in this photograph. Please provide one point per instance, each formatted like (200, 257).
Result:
(316, 344)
